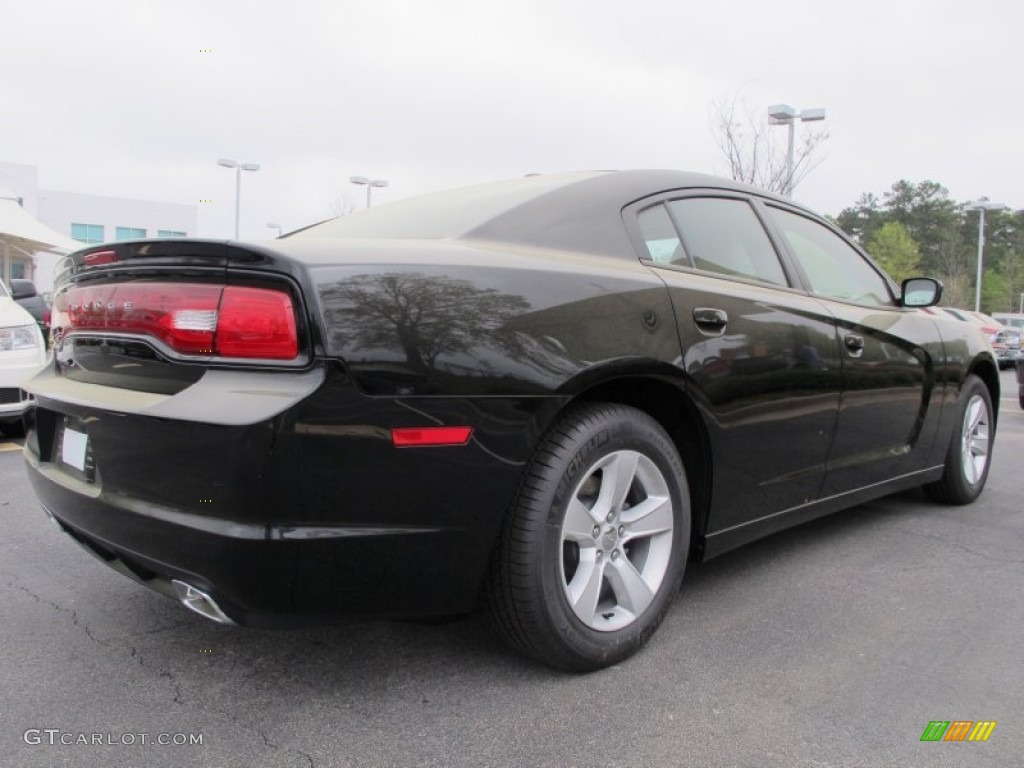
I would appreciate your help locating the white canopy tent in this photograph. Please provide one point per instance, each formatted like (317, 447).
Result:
(22, 235)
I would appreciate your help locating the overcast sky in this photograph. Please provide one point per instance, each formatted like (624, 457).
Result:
(139, 99)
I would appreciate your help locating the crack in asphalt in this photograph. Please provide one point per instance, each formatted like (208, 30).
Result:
(57, 607)
(179, 699)
(173, 681)
(268, 743)
(137, 655)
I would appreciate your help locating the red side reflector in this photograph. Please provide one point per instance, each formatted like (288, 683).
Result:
(426, 437)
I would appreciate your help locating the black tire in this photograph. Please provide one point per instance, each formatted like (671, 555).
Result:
(554, 593)
(970, 447)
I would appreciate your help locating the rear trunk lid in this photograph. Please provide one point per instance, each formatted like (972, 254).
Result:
(154, 316)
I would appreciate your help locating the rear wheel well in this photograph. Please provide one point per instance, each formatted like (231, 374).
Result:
(672, 408)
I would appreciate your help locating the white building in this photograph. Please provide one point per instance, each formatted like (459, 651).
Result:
(88, 219)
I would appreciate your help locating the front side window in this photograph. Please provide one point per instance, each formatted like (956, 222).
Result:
(130, 233)
(87, 233)
(832, 266)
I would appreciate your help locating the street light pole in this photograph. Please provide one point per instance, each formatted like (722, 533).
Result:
(981, 206)
(783, 114)
(239, 167)
(370, 184)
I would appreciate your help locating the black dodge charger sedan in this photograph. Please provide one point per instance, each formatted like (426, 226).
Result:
(545, 394)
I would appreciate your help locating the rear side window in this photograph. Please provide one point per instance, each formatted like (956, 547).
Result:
(660, 237)
(714, 234)
(833, 268)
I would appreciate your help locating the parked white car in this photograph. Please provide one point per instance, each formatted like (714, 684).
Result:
(22, 355)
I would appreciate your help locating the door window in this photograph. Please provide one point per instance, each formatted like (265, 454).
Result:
(725, 236)
(833, 268)
(714, 234)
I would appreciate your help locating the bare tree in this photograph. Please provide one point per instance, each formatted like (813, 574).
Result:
(756, 150)
(426, 316)
(341, 204)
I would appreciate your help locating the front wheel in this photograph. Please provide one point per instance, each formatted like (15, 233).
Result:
(970, 448)
(594, 549)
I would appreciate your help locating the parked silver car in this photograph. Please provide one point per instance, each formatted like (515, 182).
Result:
(22, 354)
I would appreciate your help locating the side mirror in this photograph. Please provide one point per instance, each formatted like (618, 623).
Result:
(921, 292)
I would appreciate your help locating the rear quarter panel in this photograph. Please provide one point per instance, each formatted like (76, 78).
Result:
(490, 320)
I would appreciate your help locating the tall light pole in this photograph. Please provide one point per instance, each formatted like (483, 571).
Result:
(370, 184)
(981, 206)
(272, 225)
(783, 114)
(239, 167)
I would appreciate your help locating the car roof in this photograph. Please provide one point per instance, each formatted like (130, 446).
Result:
(569, 211)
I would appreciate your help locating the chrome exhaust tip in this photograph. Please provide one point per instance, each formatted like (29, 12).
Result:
(200, 602)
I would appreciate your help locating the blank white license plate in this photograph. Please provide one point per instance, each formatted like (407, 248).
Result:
(73, 448)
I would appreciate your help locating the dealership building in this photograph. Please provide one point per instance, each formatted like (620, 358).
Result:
(82, 218)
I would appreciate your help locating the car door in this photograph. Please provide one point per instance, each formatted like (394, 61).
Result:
(891, 358)
(762, 357)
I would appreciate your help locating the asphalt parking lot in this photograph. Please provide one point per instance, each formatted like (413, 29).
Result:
(833, 644)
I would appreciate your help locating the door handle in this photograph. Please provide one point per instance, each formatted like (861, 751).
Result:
(854, 343)
(710, 318)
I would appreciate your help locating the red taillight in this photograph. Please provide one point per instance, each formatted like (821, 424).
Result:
(256, 322)
(46, 318)
(192, 319)
(424, 437)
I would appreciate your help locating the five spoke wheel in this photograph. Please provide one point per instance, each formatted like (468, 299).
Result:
(970, 449)
(594, 549)
(616, 540)
(974, 441)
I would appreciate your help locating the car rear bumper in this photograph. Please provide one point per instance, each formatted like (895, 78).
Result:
(261, 576)
(306, 516)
